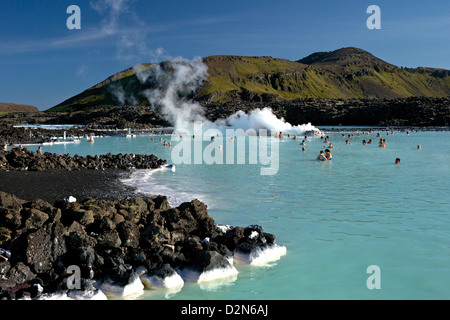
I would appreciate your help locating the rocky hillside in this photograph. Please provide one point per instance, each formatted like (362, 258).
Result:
(347, 73)
(14, 107)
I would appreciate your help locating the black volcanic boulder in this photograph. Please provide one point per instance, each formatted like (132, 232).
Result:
(161, 203)
(16, 276)
(10, 219)
(109, 239)
(43, 206)
(162, 277)
(204, 260)
(233, 237)
(155, 235)
(196, 218)
(129, 234)
(164, 271)
(74, 212)
(180, 220)
(78, 238)
(34, 219)
(18, 158)
(10, 201)
(45, 246)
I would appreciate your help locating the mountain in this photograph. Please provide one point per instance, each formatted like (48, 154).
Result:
(347, 73)
(14, 107)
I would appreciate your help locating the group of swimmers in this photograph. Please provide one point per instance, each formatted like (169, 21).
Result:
(326, 156)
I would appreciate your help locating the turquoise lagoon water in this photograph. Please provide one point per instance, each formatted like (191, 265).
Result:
(335, 218)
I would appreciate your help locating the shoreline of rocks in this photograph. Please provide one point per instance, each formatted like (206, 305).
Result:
(119, 247)
(22, 159)
(399, 112)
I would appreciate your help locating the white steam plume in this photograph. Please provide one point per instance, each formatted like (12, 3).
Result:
(175, 80)
(121, 96)
(263, 119)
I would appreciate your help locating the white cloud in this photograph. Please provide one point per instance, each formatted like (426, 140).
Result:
(82, 70)
(121, 26)
(111, 10)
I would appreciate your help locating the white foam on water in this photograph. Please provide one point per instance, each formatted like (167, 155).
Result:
(170, 282)
(214, 285)
(134, 288)
(87, 295)
(73, 295)
(54, 296)
(146, 182)
(190, 275)
(260, 256)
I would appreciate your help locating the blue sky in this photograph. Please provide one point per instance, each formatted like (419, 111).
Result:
(43, 63)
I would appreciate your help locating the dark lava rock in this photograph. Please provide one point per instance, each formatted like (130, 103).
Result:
(45, 246)
(207, 260)
(23, 159)
(17, 275)
(110, 240)
(129, 234)
(234, 236)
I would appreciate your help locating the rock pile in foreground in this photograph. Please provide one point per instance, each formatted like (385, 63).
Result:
(118, 245)
(27, 160)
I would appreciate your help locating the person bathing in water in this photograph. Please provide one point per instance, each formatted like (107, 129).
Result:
(321, 156)
(328, 155)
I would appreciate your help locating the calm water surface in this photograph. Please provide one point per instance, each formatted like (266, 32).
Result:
(335, 218)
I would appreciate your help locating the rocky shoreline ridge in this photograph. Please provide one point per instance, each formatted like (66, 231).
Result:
(413, 111)
(22, 159)
(119, 247)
